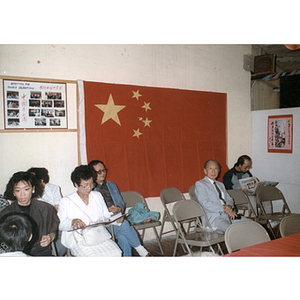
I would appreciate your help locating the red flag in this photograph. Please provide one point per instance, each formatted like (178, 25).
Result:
(153, 138)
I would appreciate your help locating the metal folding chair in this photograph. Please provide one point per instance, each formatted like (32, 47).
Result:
(244, 234)
(133, 197)
(192, 211)
(168, 197)
(289, 225)
(272, 194)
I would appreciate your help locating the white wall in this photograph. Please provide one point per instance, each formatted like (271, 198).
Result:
(217, 68)
(277, 166)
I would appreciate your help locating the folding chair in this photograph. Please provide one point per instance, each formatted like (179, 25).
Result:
(192, 192)
(272, 194)
(133, 197)
(242, 203)
(244, 234)
(53, 248)
(188, 211)
(289, 225)
(169, 196)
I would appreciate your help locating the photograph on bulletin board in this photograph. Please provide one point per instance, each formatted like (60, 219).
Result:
(280, 134)
(34, 105)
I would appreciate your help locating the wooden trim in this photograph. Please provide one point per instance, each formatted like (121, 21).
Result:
(38, 79)
(78, 128)
(36, 130)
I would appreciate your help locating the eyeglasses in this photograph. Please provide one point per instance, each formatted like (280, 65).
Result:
(91, 186)
(104, 171)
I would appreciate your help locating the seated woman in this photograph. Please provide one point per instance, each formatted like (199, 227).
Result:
(24, 188)
(80, 209)
(51, 194)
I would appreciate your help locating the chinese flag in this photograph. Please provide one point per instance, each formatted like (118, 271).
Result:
(152, 138)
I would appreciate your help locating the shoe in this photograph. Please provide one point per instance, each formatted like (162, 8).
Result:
(149, 255)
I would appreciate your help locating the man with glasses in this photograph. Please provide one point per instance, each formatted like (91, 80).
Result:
(127, 237)
(240, 170)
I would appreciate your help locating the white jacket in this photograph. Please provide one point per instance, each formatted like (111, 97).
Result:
(68, 211)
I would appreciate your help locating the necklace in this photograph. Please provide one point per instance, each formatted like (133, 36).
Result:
(86, 202)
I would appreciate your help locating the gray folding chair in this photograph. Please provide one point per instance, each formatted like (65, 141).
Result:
(192, 192)
(192, 211)
(272, 194)
(289, 225)
(242, 203)
(133, 197)
(169, 196)
(244, 234)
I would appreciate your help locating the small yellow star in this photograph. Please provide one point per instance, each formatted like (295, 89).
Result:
(137, 133)
(110, 110)
(147, 122)
(136, 94)
(146, 106)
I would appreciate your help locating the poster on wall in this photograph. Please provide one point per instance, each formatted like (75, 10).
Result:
(280, 134)
(34, 105)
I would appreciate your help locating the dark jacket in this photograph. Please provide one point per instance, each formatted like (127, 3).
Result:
(44, 220)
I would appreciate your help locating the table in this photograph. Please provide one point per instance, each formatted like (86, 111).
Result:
(286, 246)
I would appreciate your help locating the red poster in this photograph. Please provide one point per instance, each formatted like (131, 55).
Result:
(280, 134)
(153, 138)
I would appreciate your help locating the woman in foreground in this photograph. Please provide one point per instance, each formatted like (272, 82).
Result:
(82, 208)
(22, 189)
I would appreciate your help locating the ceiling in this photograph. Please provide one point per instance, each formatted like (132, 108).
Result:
(285, 59)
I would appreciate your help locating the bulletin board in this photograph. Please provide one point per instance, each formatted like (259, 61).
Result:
(34, 105)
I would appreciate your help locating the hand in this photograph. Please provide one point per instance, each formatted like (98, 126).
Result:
(120, 220)
(228, 210)
(77, 223)
(46, 240)
(115, 209)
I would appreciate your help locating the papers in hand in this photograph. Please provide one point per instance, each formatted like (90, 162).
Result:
(107, 221)
(251, 184)
(112, 220)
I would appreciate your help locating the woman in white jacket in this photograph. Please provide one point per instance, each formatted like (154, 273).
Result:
(80, 209)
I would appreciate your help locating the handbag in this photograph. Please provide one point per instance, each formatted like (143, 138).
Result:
(94, 235)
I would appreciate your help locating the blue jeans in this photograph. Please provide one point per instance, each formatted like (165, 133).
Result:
(126, 237)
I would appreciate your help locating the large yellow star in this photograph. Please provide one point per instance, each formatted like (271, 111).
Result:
(146, 106)
(136, 94)
(147, 122)
(110, 110)
(137, 133)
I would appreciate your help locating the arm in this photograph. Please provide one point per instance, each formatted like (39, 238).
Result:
(53, 223)
(207, 198)
(65, 221)
(116, 195)
(227, 180)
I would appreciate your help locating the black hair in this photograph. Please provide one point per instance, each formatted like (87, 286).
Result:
(83, 172)
(21, 176)
(241, 160)
(96, 162)
(15, 232)
(40, 173)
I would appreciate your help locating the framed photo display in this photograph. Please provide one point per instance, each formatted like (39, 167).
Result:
(280, 134)
(34, 105)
